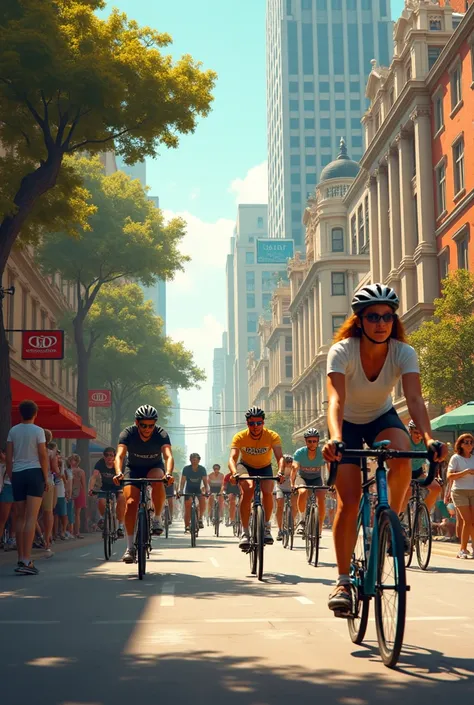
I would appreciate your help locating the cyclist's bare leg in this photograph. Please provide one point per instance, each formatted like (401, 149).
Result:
(267, 499)
(294, 506)
(246, 499)
(232, 507)
(302, 498)
(433, 492)
(221, 506)
(321, 500)
(158, 493)
(187, 511)
(348, 488)
(131, 498)
(279, 511)
(101, 506)
(171, 506)
(202, 505)
(399, 474)
(120, 508)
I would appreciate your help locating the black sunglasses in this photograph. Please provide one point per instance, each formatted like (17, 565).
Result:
(146, 425)
(254, 423)
(376, 317)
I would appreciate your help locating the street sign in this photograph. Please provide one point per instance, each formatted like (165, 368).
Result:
(274, 251)
(42, 344)
(100, 397)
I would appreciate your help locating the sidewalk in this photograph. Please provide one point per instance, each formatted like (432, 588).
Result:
(10, 557)
(444, 548)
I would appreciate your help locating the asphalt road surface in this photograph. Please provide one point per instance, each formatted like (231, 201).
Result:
(200, 629)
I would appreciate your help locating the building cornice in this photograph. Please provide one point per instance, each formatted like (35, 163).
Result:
(280, 330)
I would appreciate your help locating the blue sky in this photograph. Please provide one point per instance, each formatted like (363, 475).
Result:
(220, 165)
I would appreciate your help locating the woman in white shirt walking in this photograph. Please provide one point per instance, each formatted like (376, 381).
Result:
(461, 473)
(370, 354)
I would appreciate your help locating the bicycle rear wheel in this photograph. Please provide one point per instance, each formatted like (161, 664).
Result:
(253, 542)
(291, 528)
(309, 536)
(285, 528)
(315, 524)
(422, 536)
(217, 518)
(391, 588)
(142, 540)
(358, 622)
(260, 541)
(167, 521)
(193, 524)
(106, 533)
(409, 526)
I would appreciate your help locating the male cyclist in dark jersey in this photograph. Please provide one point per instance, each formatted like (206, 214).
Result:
(102, 478)
(147, 448)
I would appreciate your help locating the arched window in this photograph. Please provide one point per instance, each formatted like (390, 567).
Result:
(337, 240)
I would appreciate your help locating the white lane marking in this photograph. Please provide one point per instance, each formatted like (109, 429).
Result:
(83, 555)
(304, 600)
(167, 595)
(214, 562)
(28, 621)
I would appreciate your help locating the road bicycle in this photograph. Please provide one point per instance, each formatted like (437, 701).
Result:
(417, 521)
(109, 530)
(143, 524)
(287, 524)
(166, 518)
(311, 533)
(256, 525)
(378, 562)
(194, 525)
(216, 512)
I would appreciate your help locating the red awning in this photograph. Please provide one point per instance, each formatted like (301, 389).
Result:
(63, 422)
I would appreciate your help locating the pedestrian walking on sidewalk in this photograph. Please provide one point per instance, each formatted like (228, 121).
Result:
(461, 472)
(27, 467)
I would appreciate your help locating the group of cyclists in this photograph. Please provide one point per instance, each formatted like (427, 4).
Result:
(368, 357)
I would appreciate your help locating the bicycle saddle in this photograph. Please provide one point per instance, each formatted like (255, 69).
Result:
(380, 444)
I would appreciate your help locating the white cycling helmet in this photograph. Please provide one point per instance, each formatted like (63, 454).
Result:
(146, 411)
(374, 294)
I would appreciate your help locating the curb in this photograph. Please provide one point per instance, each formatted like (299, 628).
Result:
(10, 557)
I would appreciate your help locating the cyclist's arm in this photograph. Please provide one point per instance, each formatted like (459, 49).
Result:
(416, 405)
(182, 482)
(168, 458)
(206, 484)
(119, 458)
(93, 477)
(336, 387)
(278, 453)
(233, 460)
(294, 469)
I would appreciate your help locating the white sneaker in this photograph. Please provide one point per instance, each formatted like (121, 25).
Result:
(48, 553)
(463, 554)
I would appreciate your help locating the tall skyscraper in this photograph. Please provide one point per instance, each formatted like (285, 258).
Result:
(318, 61)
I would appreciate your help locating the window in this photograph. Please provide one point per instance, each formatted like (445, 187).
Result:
(433, 53)
(309, 123)
(308, 87)
(249, 258)
(295, 216)
(324, 105)
(366, 4)
(354, 234)
(458, 165)
(441, 187)
(338, 52)
(435, 24)
(354, 87)
(266, 301)
(321, 4)
(338, 284)
(309, 105)
(336, 4)
(325, 123)
(444, 263)
(337, 322)
(260, 222)
(324, 87)
(250, 300)
(252, 343)
(296, 197)
(251, 239)
(355, 123)
(352, 4)
(360, 222)
(286, 320)
(294, 142)
(353, 49)
(311, 179)
(252, 320)
(325, 141)
(355, 105)
(340, 124)
(366, 215)
(288, 401)
(293, 86)
(306, 4)
(294, 123)
(307, 39)
(463, 251)
(337, 240)
(310, 160)
(292, 35)
(383, 8)
(267, 281)
(295, 160)
(357, 141)
(288, 7)
(339, 87)
(322, 42)
(288, 366)
(288, 343)
(250, 281)
(438, 113)
(340, 105)
(310, 142)
(456, 92)
(295, 179)
(294, 106)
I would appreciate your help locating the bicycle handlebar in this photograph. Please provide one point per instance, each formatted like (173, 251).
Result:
(388, 454)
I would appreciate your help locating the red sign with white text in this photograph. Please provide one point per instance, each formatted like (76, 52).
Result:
(100, 397)
(42, 345)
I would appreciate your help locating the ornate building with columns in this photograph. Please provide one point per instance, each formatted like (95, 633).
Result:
(321, 287)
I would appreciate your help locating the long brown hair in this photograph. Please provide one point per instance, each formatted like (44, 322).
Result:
(459, 442)
(351, 329)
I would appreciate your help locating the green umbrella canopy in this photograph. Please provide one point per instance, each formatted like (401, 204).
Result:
(460, 419)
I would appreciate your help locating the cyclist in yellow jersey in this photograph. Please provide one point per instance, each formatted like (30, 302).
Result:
(255, 447)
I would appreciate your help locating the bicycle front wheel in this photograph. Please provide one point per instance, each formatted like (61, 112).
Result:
(260, 541)
(391, 588)
(193, 525)
(285, 527)
(407, 521)
(217, 519)
(291, 529)
(315, 528)
(309, 536)
(142, 540)
(106, 534)
(167, 521)
(357, 622)
(253, 542)
(422, 536)
(237, 522)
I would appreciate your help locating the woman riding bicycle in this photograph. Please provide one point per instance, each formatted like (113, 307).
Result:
(368, 357)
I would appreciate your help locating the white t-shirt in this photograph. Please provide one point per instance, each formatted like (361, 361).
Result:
(365, 400)
(458, 463)
(25, 438)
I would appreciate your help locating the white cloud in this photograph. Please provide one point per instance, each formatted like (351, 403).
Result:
(206, 243)
(253, 188)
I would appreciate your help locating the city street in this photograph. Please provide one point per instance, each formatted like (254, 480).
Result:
(199, 629)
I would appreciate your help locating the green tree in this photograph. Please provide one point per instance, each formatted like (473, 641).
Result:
(283, 423)
(445, 344)
(71, 81)
(179, 455)
(135, 360)
(126, 238)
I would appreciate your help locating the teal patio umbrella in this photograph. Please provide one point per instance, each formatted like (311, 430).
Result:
(457, 420)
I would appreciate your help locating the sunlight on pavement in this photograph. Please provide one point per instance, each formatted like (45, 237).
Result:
(55, 661)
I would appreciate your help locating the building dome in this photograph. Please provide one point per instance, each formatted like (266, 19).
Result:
(342, 167)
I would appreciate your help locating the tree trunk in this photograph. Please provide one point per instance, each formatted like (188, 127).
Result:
(5, 391)
(116, 422)
(32, 187)
(82, 388)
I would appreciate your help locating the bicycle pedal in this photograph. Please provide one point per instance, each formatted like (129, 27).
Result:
(342, 614)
